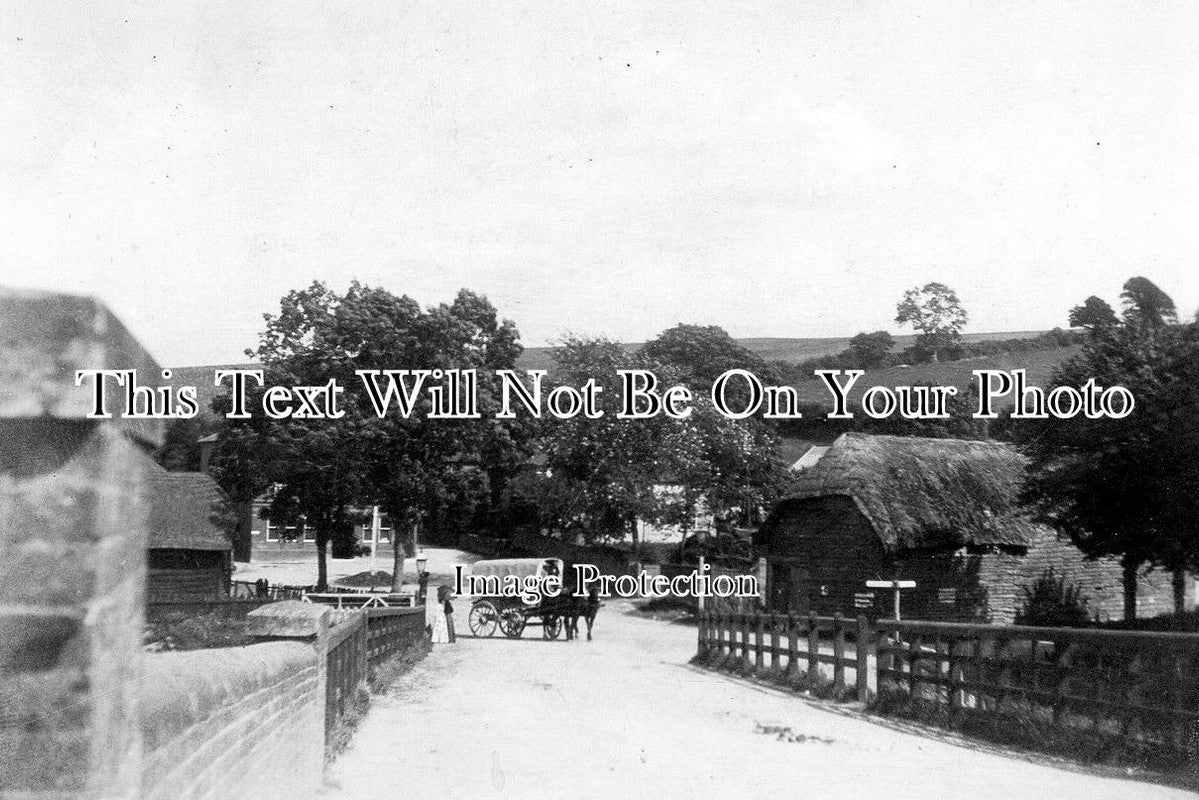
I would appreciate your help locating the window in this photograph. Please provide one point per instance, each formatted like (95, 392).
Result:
(272, 532)
(309, 533)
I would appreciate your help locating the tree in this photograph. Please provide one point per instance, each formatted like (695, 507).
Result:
(1174, 410)
(935, 313)
(1111, 484)
(868, 350)
(318, 467)
(599, 474)
(602, 475)
(438, 472)
(701, 353)
(1147, 306)
(1094, 314)
(325, 470)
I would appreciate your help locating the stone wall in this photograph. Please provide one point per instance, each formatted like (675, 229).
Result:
(85, 712)
(235, 722)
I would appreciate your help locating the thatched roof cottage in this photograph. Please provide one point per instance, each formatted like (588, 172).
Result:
(941, 512)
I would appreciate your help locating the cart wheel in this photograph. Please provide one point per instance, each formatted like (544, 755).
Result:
(551, 627)
(482, 619)
(512, 622)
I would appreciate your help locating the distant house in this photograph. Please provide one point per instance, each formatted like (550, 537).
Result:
(189, 551)
(702, 521)
(941, 512)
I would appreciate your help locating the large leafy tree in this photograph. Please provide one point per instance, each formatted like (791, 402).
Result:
(1094, 314)
(439, 472)
(1113, 484)
(602, 475)
(324, 470)
(701, 353)
(868, 350)
(935, 313)
(317, 467)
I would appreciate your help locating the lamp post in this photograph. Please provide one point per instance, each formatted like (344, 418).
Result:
(421, 561)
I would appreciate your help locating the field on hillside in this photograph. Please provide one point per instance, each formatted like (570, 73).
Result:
(1039, 364)
(780, 348)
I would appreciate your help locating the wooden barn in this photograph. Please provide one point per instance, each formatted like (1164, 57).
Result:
(190, 550)
(941, 512)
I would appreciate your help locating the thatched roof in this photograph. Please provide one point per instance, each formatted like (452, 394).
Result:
(188, 512)
(925, 493)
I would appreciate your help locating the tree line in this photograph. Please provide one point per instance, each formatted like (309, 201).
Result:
(593, 478)
(1125, 488)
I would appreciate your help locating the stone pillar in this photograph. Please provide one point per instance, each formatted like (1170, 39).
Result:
(73, 532)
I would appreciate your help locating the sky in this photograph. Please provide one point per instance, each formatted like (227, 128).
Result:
(603, 167)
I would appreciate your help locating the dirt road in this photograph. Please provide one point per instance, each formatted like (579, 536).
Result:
(625, 717)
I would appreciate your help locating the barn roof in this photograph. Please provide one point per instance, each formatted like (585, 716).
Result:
(922, 493)
(188, 511)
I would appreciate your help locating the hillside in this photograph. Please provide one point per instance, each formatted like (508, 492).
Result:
(1039, 364)
(781, 348)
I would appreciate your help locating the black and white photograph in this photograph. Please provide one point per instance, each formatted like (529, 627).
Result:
(599, 400)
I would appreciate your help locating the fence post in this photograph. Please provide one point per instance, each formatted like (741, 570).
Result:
(792, 645)
(74, 507)
(813, 647)
(838, 650)
(775, 658)
(759, 661)
(862, 678)
(744, 639)
(915, 649)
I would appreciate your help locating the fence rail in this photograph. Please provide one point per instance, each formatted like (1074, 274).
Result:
(362, 599)
(360, 640)
(1131, 684)
(390, 630)
(753, 640)
(1142, 687)
(264, 590)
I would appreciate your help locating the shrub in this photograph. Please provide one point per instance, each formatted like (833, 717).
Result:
(1053, 602)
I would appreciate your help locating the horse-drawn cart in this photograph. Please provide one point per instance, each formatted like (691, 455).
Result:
(511, 614)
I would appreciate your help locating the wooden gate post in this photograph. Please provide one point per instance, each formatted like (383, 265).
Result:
(759, 657)
(813, 647)
(792, 646)
(838, 650)
(862, 678)
(775, 657)
(745, 640)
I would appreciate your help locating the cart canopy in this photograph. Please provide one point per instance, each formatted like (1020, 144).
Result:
(517, 567)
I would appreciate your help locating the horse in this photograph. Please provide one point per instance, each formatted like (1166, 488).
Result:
(576, 607)
(573, 607)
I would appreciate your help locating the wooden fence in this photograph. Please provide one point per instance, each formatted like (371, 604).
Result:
(1134, 685)
(266, 590)
(1140, 687)
(360, 640)
(776, 644)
